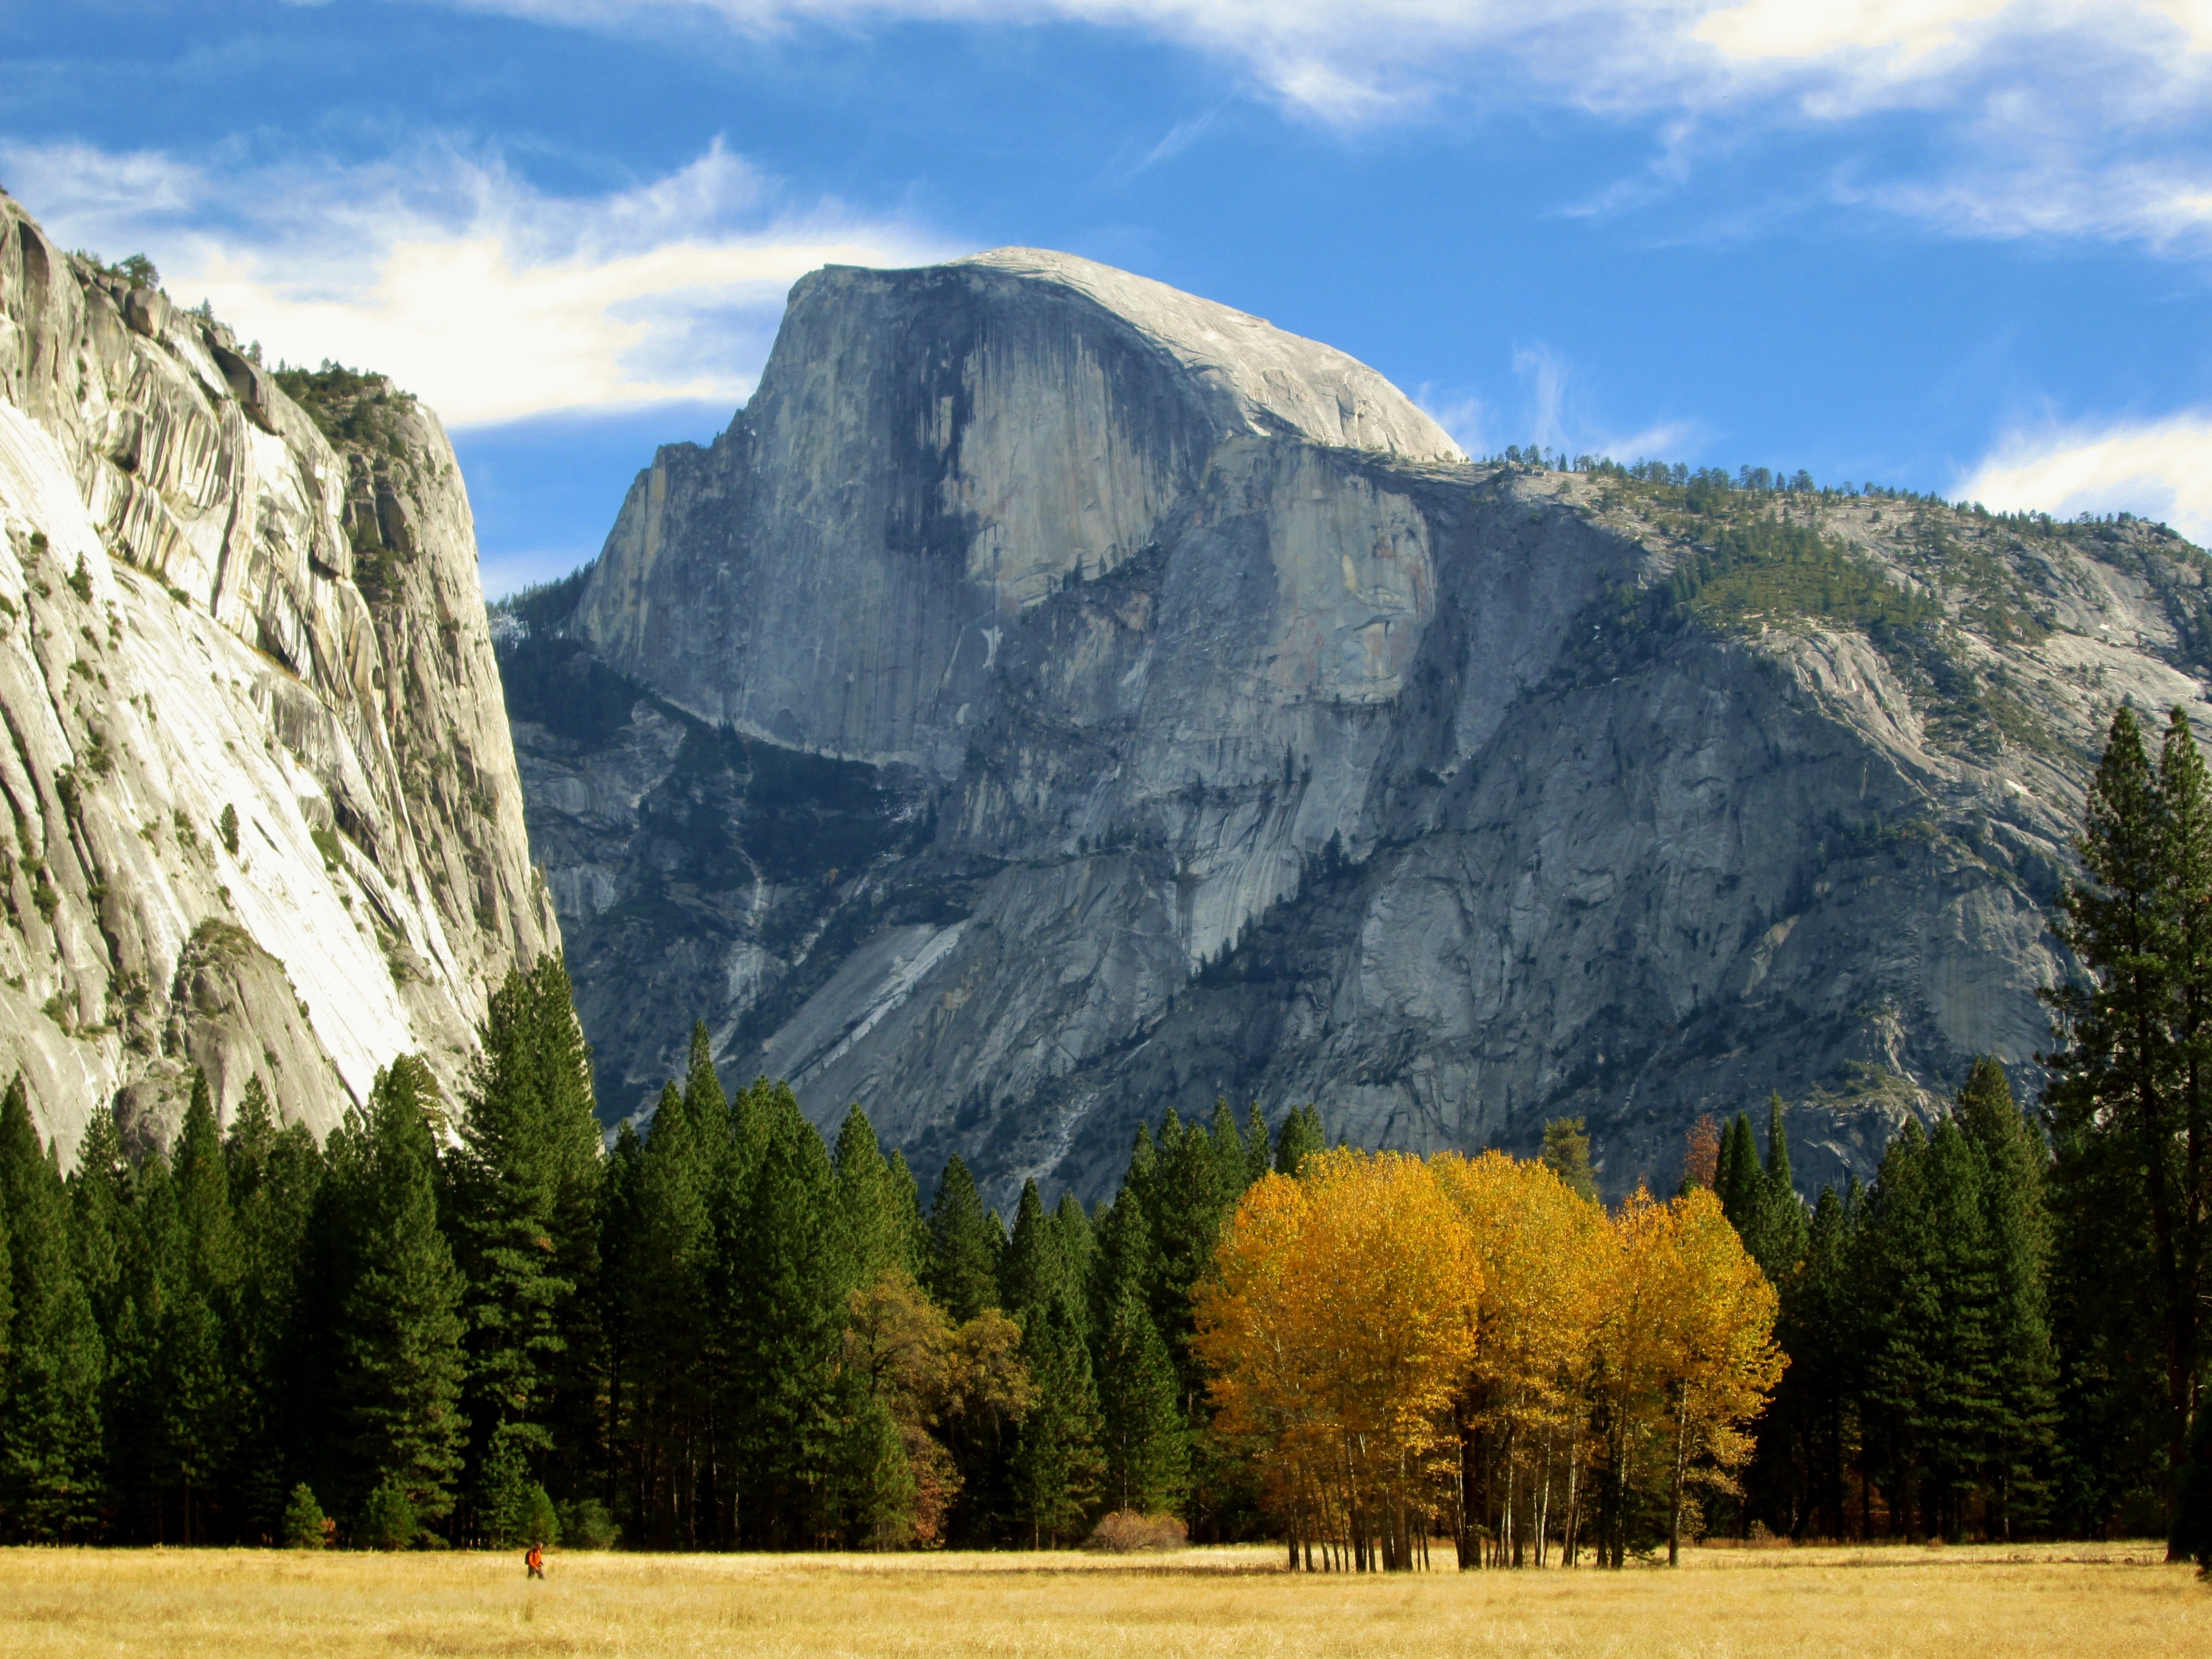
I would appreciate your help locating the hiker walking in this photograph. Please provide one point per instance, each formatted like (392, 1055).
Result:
(535, 1560)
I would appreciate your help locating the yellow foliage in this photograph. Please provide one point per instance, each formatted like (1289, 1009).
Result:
(1340, 1322)
(1373, 1321)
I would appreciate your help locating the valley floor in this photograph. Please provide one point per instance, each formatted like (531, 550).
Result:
(1990, 1602)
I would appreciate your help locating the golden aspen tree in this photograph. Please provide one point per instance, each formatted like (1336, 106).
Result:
(1338, 1322)
(1536, 1240)
(1721, 1359)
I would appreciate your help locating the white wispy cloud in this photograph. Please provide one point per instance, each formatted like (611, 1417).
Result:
(2158, 469)
(1552, 411)
(1358, 63)
(490, 298)
(2041, 117)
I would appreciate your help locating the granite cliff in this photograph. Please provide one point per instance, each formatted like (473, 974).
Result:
(1056, 698)
(265, 819)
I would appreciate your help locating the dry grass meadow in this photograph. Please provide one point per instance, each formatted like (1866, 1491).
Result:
(1981, 1602)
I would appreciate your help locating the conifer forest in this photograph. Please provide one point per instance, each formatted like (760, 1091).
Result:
(474, 1323)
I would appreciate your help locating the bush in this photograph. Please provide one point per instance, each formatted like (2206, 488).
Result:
(227, 827)
(585, 1525)
(515, 1509)
(1125, 1532)
(387, 1520)
(305, 1527)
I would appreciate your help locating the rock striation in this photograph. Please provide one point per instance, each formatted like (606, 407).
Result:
(263, 812)
(1056, 698)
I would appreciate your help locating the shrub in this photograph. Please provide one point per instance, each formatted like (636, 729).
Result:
(585, 1525)
(227, 826)
(387, 1520)
(1125, 1532)
(305, 1527)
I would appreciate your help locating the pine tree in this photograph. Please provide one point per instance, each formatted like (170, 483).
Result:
(1932, 1370)
(874, 1204)
(1232, 1158)
(50, 1427)
(962, 1271)
(1146, 1446)
(1301, 1137)
(1567, 1155)
(397, 1392)
(1033, 1273)
(1056, 1465)
(274, 1176)
(197, 1384)
(791, 1278)
(666, 1254)
(525, 1199)
(1260, 1157)
(1079, 1250)
(2015, 1209)
(2131, 1097)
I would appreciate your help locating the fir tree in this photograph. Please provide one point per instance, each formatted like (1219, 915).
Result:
(962, 1271)
(2015, 1210)
(1260, 1157)
(1033, 1273)
(50, 1426)
(274, 1176)
(197, 1386)
(1300, 1138)
(524, 1208)
(666, 1254)
(396, 1391)
(2131, 1097)
(874, 1206)
(1147, 1458)
(1567, 1155)
(791, 1279)
(1056, 1465)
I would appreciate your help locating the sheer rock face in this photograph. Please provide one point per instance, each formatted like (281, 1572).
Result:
(264, 816)
(1231, 735)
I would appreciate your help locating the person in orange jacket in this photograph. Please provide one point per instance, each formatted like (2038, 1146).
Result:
(534, 1560)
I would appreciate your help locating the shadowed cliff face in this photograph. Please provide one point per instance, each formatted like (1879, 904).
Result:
(1227, 733)
(264, 818)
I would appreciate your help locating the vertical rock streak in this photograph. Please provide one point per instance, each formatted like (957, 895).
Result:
(190, 659)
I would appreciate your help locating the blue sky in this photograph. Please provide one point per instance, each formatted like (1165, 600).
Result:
(1955, 244)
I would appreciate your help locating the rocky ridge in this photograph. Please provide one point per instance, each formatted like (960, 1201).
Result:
(1053, 700)
(264, 816)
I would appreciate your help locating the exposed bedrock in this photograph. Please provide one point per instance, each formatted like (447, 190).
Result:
(263, 816)
(1056, 698)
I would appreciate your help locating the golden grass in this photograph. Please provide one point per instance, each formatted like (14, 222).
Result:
(1977, 1602)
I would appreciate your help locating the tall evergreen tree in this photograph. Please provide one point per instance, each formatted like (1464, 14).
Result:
(1301, 1137)
(2017, 1214)
(1145, 1443)
(275, 1174)
(2132, 1090)
(197, 1385)
(399, 1324)
(50, 1426)
(669, 1255)
(875, 1205)
(1056, 1463)
(1033, 1273)
(962, 1271)
(1567, 1155)
(791, 1277)
(1258, 1149)
(524, 1213)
